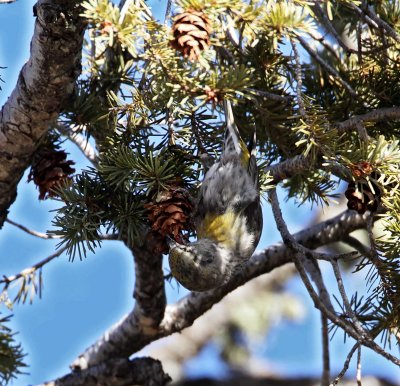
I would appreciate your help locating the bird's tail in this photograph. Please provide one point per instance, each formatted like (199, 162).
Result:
(233, 142)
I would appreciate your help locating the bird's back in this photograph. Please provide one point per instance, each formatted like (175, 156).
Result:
(229, 210)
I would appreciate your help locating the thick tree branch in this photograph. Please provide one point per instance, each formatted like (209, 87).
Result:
(182, 314)
(117, 372)
(147, 314)
(44, 84)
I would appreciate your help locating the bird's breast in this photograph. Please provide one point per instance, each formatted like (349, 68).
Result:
(229, 229)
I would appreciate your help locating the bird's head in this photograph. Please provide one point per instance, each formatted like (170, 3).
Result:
(198, 266)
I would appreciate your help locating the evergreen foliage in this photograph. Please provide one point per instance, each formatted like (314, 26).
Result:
(296, 71)
(11, 354)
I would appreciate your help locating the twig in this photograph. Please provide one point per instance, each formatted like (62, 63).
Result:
(299, 80)
(298, 251)
(331, 29)
(7, 280)
(347, 305)
(34, 233)
(183, 313)
(345, 365)
(325, 351)
(288, 168)
(168, 11)
(358, 375)
(326, 66)
(321, 40)
(369, 21)
(271, 96)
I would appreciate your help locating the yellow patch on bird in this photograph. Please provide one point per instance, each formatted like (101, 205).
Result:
(245, 157)
(218, 227)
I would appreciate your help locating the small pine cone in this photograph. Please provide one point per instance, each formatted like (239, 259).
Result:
(361, 169)
(169, 215)
(191, 30)
(360, 197)
(49, 169)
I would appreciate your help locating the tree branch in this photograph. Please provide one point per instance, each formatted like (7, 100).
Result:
(183, 313)
(33, 232)
(328, 68)
(44, 84)
(385, 113)
(80, 141)
(117, 372)
(359, 334)
(146, 316)
(370, 15)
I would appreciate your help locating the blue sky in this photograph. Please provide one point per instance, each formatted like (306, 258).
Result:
(82, 299)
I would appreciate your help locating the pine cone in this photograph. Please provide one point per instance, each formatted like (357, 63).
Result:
(49, 169)
(191, 30)
(360, 197)
(169, 215)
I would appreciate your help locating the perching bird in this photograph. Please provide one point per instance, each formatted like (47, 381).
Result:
(228, 217)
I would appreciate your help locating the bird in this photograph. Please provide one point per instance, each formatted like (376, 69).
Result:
(228, 218)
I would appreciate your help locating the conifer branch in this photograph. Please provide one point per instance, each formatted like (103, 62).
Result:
(183, 313)
(379, 23)
(383, 114)
(357, 332)
(46, 80)
(328, 68)
(28, 274)
(325, 43)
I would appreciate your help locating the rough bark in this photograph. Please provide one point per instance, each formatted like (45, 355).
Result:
(118, 372)
(44, 84)
(264, 381)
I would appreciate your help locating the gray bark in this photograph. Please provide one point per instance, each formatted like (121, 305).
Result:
(44, 85)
